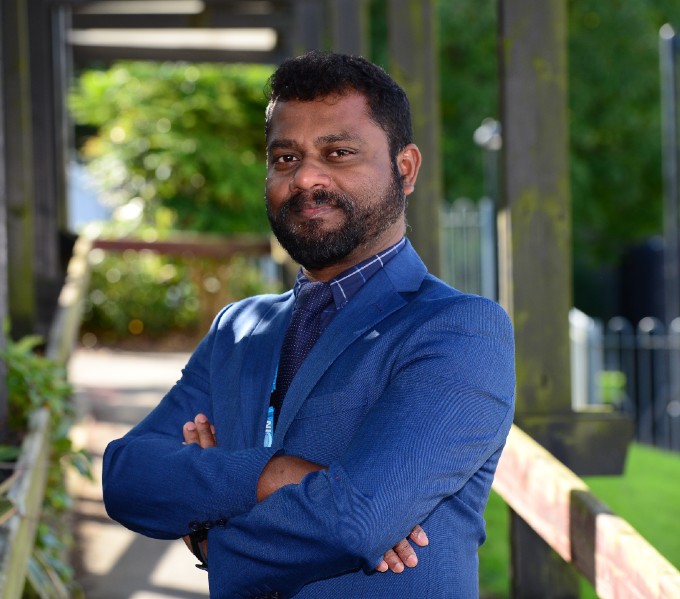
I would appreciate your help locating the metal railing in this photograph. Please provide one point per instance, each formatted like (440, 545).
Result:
(641, 373)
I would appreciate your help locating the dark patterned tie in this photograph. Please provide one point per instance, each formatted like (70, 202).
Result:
(301, 335)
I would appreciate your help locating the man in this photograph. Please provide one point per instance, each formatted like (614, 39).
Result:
(397, 415)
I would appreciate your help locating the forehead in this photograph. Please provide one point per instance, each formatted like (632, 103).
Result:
(337, 114)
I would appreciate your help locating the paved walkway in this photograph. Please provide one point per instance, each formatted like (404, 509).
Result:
(114, 390)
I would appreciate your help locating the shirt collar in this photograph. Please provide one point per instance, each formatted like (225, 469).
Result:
(347, 283)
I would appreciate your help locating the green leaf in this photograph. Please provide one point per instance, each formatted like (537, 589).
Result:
(7, 510)
(9, 453)
(44, 579)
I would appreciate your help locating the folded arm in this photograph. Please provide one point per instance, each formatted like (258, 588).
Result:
(441, 421)
(289, 470)
(156, 485)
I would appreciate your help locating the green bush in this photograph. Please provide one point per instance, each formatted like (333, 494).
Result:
(154, 297)
(183, 142)
(35, 382)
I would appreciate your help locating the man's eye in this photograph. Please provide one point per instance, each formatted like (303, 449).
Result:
(340, 153)
(284, 158)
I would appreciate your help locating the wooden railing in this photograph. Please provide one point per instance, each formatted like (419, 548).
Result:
(17, 534)
(558, 505)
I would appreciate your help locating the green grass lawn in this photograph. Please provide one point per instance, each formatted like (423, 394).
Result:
(647, 496)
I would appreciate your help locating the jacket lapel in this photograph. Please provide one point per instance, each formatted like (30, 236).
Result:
(259, 368)
(377, 299)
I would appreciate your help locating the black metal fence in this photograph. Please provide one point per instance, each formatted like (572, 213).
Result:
(641, 374)
(633, 367)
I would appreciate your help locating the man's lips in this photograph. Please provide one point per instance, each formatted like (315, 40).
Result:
(314, 210)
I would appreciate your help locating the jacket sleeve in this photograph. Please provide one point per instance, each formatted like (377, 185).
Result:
(157, 486)
(444, 416)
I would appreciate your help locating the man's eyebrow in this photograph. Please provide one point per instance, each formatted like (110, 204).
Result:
(322, 140)
(332, 138)
(282, 144)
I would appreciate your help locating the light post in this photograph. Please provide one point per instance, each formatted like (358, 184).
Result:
(668, 50)
(488, 137)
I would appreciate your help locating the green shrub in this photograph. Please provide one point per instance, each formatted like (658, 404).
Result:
(153, 297)
(35, 382)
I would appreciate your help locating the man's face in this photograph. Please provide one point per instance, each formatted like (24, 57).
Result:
(333, 194)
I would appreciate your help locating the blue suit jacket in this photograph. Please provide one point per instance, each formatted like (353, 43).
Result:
(407, 396)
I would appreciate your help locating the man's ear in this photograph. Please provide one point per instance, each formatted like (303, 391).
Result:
(408, 162)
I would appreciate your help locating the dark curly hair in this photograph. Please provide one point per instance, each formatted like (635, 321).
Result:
(318, 74)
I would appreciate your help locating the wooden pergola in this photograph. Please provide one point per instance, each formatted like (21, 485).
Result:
(44, 40)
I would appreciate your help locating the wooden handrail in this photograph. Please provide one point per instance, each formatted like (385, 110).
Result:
(558, 505)
(196, 245)
(17, 534)
(69, 313)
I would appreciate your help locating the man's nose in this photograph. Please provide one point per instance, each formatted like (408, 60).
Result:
(308, 175)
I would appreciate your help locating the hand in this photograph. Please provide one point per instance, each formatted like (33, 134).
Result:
(403, 555)
(290, 470)
(199, 431)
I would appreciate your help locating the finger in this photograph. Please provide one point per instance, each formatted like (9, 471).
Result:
(190, 433)
(382, 566)
(419, 536)
(187, 542)
(393, 562)
(406, 553)
(205, 434)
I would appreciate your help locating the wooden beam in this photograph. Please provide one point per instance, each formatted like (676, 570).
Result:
(584, 532)
(415, 66)
(217, 16)
(84, 55)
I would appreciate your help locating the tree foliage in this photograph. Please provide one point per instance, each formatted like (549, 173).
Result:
(615, 153)
(185, 141)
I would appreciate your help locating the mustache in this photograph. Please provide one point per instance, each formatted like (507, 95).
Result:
(319, 197)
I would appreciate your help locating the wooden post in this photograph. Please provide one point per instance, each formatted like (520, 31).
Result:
(535, 249)
(535, 265)
(414, 65)
(349, 26)
(50, 75)
(309, 30)
(3, 237)
(19, 167)
(535, 215)
(535, 270)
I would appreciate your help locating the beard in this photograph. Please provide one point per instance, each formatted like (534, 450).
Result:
(313, 246)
